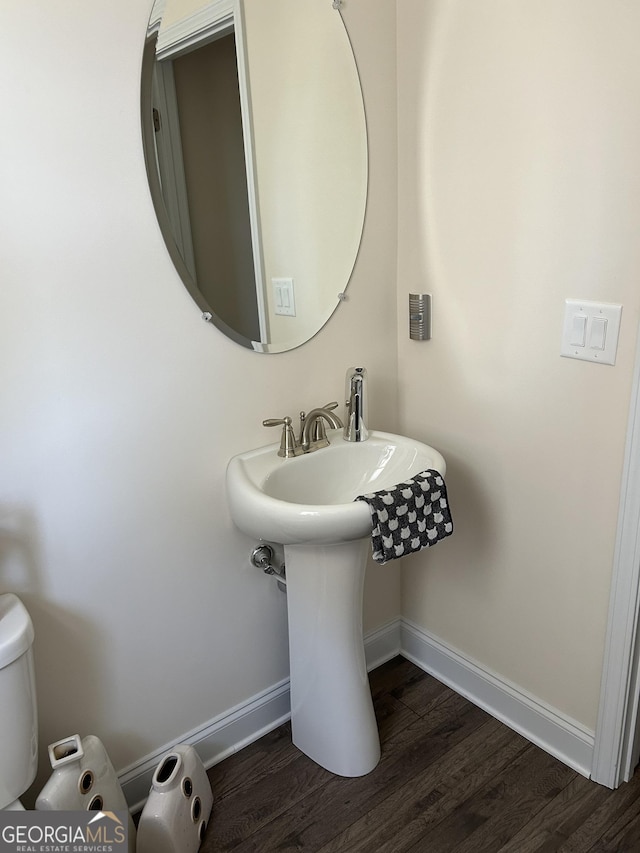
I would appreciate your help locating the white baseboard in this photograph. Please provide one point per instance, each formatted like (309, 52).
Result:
(544, 726)
(216, 740)
(383, 644)
(230, 732)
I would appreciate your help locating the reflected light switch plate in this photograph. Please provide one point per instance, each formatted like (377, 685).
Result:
(590, 331)
(284, 302)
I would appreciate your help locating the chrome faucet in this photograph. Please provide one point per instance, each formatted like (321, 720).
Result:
(357, 409)
(313, 435)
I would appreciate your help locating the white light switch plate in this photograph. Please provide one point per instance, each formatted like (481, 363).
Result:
(284, 299)
(600, 323)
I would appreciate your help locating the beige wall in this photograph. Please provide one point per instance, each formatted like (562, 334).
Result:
(120, 406)
(176, 10)
(518, 187)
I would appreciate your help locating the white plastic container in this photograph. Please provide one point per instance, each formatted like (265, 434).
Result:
(18, 714)
(176, 813)
(83, 778)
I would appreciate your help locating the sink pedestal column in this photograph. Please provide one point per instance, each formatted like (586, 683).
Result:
(332, 716)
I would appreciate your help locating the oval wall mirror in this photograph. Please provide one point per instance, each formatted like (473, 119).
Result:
(256, 149)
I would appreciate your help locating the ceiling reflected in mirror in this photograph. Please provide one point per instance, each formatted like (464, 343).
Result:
(256, 150)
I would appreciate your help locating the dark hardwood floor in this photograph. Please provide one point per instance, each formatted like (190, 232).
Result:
(451, 778)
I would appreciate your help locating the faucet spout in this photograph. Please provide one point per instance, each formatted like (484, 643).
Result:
(307, 441)
(357, 408)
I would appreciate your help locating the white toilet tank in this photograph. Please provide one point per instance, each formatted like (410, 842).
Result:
(18, 716)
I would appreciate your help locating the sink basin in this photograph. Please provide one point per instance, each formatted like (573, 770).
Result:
(311, 498)
(308, 505)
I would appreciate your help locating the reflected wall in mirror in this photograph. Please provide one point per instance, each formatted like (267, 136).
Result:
(255, 142)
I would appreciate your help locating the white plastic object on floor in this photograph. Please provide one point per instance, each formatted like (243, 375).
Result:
(83, 778)
(176, 813)
(18, 713)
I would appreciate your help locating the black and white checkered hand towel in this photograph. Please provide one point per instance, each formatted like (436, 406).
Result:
(413, 515)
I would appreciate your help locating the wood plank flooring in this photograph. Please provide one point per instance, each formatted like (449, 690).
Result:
(451, 778)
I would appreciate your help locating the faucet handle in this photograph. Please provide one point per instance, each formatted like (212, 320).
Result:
(331, 406)
(289, 447)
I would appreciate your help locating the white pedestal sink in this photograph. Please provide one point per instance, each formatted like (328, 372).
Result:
(308, 505)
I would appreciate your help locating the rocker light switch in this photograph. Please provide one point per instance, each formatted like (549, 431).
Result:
(578, 330)
(590, 331)
(598, 332)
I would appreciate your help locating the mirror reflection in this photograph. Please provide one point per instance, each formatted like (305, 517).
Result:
(256, 150)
